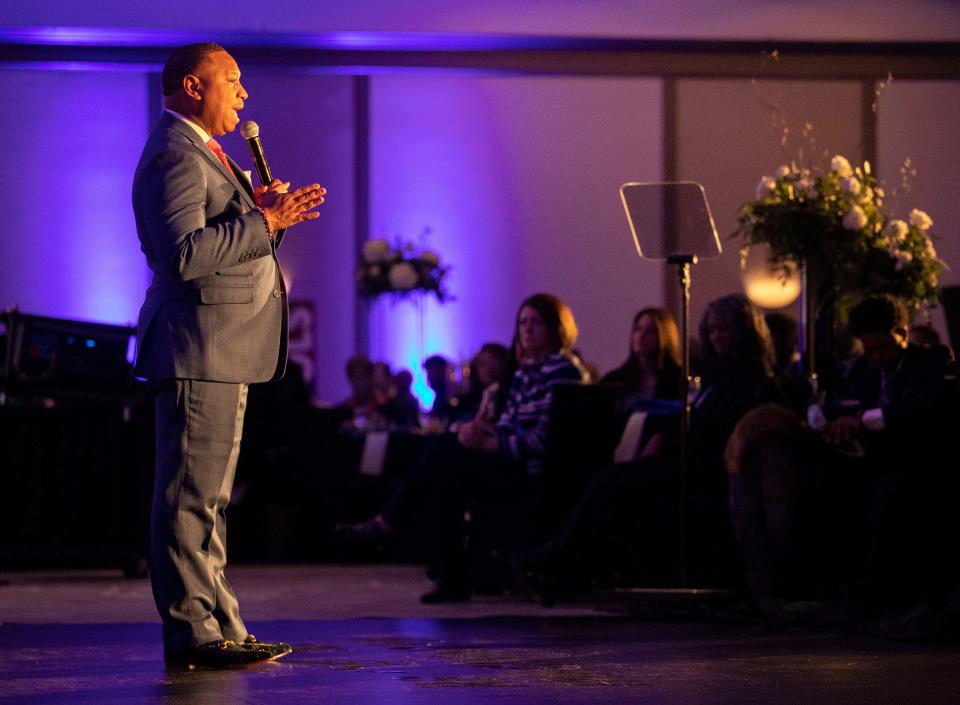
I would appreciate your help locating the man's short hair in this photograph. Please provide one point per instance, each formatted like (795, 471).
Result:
(878, 314)
(184, 61)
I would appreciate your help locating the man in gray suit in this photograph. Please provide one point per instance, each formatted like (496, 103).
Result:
(214, 320)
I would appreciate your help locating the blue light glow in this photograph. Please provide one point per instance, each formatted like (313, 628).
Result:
(427, 170)
(82, 259)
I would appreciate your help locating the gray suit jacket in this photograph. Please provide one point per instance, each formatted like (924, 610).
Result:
(216, 309)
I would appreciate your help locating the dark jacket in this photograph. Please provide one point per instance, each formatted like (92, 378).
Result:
(216, 308)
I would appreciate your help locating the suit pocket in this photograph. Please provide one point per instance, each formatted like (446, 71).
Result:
(241, 294)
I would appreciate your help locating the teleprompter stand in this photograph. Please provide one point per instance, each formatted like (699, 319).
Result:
(672, 222)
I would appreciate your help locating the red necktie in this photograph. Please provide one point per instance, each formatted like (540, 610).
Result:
(221, 155)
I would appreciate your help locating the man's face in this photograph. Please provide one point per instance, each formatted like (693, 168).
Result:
(221, 93)
(882, 350)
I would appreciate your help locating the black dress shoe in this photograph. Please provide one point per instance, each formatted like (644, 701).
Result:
(224, 652)
(442, 594)
(276, 649)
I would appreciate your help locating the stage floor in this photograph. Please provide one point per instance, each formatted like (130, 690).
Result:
(360, 636)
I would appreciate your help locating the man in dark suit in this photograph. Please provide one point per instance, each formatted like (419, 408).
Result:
(214, 320)
(903, 431)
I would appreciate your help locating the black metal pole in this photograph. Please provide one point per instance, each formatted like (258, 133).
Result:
(683, 263)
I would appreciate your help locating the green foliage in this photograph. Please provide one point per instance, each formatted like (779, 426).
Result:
(835, 226)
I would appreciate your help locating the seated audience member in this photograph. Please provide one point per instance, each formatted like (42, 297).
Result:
(364, 403)
(383, 382)
(651, 371)
(641, 499)
(402, 408)
(438, 371)
(483, 460)
(490, 374)
(652, 368)
(898, 437)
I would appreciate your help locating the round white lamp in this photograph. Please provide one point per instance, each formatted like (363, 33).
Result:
(764, 285)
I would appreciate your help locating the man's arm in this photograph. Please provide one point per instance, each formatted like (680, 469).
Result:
(186, 242)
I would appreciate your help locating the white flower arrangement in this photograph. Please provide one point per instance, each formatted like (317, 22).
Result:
(834, 224)
(400, 270)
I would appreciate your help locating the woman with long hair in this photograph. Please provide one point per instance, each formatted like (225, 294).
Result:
(652, 367)
(650, 375)
(631, 510)
(485, 461)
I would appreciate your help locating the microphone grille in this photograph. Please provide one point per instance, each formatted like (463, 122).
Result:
(249, 130)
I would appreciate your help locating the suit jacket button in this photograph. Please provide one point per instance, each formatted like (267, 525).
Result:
(276, 293)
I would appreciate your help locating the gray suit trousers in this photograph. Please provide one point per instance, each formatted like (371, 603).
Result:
(199, 425)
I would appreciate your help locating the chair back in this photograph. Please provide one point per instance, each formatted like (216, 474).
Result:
(582, 431)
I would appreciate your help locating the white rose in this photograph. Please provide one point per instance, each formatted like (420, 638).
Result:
(431, 258)
(402, 276)
(929, 250)
(855, 218)
(903, 259)
(376, 251)
(765, 186)
(851, 185)
(782, 170)
(840, 165)
(804, 185)
(879, 191)
(920, 220)
(896, 230)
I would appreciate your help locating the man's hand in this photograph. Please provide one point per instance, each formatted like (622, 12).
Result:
(285, 208)
(276, 185)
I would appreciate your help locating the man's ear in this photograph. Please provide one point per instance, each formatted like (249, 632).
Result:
(193, 86)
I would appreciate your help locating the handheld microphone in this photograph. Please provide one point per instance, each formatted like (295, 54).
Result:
(251, 133)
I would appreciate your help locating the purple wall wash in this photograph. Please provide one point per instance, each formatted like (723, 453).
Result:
(518, 177)
(72, 140)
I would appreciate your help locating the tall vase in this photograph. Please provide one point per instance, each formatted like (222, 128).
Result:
(807, 327)
(818, 299)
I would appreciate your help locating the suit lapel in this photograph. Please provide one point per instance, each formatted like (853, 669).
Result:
(241, 177)
(194, 138)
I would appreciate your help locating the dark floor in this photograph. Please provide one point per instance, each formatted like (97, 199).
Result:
(360, 637)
